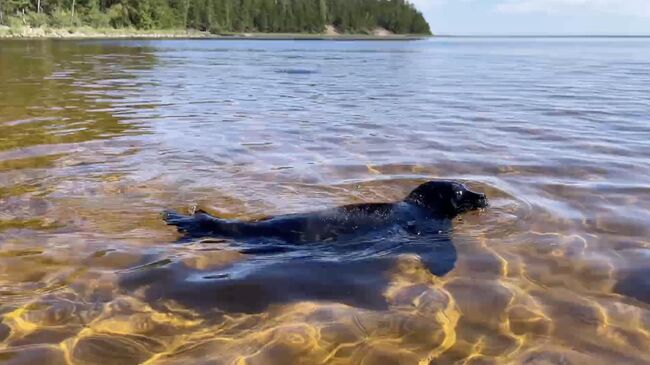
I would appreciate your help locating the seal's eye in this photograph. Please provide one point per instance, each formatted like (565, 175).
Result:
(459, 194)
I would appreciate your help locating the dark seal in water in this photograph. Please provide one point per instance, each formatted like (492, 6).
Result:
(431, 203)
(341, 255)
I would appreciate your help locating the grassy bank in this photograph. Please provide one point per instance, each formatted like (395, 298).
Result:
(27, 32)
(85, 32)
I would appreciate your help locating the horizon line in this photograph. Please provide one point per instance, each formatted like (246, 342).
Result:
(541, 35)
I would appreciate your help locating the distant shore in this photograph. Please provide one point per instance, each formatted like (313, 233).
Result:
(129, 33)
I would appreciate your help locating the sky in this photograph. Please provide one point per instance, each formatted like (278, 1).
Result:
(545, 17)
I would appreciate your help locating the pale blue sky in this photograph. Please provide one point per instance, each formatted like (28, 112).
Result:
(484, 17)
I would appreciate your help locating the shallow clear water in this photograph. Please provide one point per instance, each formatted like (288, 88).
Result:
(98, 137)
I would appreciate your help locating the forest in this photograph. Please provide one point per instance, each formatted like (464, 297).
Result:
(219, 16)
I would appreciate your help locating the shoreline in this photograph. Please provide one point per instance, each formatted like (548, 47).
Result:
(87, 33)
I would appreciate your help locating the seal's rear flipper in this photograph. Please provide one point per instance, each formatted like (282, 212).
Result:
(184, 223)
(171, 216)
(200, 224)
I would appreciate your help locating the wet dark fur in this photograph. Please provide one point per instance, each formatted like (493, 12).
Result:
(430, 202)
(343, 255)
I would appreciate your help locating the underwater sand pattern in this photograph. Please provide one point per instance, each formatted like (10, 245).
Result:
(97, 138)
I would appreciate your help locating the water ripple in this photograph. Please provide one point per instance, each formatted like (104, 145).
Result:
(98, 137)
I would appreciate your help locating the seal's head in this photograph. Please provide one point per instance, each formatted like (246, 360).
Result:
(447, 198)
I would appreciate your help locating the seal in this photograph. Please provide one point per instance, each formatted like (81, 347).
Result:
(343, 255)
(434, 201)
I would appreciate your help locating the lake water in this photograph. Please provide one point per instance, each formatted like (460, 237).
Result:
(97, 138)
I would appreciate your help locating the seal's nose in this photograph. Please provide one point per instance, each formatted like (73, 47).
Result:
(482, 201)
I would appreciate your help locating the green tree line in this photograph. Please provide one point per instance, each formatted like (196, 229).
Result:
(311, 16)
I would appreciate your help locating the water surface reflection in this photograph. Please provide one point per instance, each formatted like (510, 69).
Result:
(97, 138)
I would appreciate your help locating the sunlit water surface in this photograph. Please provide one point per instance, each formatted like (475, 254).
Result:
(97, 138)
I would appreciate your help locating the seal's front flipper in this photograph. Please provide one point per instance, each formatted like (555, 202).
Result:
(438, 255)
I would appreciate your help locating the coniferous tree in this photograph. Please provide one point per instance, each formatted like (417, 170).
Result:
(398, 16)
